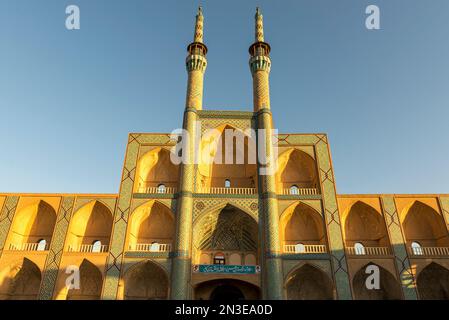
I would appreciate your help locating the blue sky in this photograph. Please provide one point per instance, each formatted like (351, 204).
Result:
(68, 99)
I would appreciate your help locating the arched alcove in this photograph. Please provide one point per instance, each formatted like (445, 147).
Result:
(300, 224)
(229, 231)
(309, 283)
(227, 159)
(91, 282)
(90, 224)
(425, 226)
(363, 224)
(21, 281)
(296, 169)
(433, 282)
(146, 281)
(226, 290)
(32, 224)
(151, 223)
(389, 287)
(155, 168)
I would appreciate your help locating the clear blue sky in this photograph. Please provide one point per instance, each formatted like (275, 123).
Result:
(69, 98)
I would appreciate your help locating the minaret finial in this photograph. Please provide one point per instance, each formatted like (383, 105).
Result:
(198, 36)
(259, 26)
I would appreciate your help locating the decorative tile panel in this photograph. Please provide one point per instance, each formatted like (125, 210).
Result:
(400, 252)
(53, 261)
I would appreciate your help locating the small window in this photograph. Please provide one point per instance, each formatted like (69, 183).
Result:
(161, 188)
(417, 249)
(219, 258)
(155, 247)
(41, 245)
(294, 190)
(300, 248)
(96, 246)
(359, 249)
(227, 183)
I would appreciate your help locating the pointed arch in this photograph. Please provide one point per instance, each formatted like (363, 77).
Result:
(21, 281)
(228, 230)
(91, 223)
(151, 222)
(296, 168)
(155, 168)
(364, 224)
(91, 282)
(33, 223)
(226, 289)
(390, 288)
(433, 282)
(421, 223)
(214, 168)
(309, 283)
(300, 223)
(146, 281)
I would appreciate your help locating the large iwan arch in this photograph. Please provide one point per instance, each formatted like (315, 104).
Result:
(229, 231)
(227, 159)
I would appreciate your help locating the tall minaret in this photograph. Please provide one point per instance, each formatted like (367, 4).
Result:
(260, 65)
(196, 65)
(181, 263)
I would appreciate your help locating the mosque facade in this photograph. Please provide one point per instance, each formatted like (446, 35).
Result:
(210, 229)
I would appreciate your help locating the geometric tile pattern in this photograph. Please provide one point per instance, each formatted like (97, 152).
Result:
(120, 222)
(53, 260)
(122, 208)
(329, 199)
(332, 219)
(6, 216)
(400, 253)
(444, 204)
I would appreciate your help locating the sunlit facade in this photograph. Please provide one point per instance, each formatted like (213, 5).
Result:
(208, 230)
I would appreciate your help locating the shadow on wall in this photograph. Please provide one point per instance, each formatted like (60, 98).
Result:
(147, 280)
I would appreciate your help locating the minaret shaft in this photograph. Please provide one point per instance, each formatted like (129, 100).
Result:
(196, 64)
(260, 65)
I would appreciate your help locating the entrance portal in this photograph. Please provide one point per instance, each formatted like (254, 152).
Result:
(226, 293)
(226, 290)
